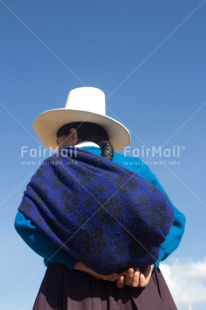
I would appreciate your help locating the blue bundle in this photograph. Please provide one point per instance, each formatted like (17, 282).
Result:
(98, 212)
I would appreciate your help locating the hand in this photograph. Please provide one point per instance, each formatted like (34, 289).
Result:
(135, 277)
(111, 277)
(131, 277)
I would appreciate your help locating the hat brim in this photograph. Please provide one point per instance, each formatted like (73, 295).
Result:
(47, 124)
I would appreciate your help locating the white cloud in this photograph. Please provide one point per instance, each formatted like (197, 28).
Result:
(187, 282)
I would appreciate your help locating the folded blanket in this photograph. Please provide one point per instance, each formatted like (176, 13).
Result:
(96, 211)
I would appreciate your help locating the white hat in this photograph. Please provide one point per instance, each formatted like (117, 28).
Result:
(84, 104)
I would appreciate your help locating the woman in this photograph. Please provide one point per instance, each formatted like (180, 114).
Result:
(70, 284)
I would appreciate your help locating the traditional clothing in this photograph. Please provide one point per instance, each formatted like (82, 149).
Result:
(80, 289)
(98, 212)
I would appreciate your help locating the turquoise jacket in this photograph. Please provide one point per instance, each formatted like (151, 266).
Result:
(45, 248)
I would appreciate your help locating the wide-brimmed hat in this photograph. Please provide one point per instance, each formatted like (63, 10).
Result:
(84, 104)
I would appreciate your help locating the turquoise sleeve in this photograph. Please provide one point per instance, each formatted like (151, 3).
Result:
(40, 243)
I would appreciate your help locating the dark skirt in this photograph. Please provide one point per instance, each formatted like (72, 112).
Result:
(64, 289)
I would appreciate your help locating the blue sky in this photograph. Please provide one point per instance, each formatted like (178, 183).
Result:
(149, 59)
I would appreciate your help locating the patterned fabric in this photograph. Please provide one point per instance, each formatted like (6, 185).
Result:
(98, 212)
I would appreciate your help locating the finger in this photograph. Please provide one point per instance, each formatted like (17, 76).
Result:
(129, 276)
(136, 278)
(120, 282)
(146, 275)
(147, 271)
(142, 281)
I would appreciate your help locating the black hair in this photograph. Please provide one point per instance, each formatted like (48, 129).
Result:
(90, 132)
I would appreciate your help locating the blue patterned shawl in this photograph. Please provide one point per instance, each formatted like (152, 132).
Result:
(96, 211)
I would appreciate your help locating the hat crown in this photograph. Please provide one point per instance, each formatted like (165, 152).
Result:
(90, 99)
